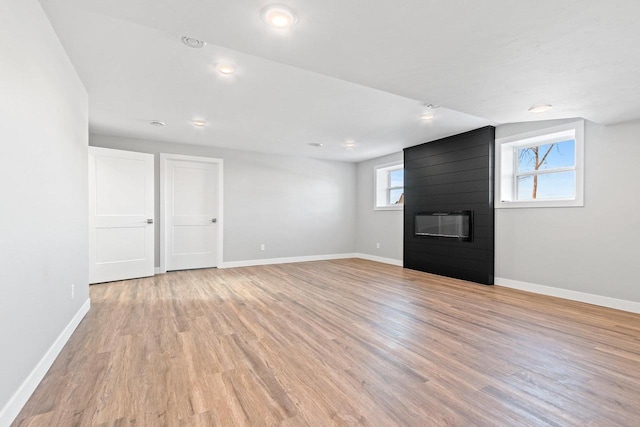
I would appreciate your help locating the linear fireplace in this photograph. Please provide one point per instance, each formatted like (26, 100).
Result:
(444, 225)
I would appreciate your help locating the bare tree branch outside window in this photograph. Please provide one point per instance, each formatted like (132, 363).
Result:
(532, 156)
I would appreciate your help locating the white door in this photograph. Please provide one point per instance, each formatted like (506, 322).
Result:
(192, 214)
(121, 230)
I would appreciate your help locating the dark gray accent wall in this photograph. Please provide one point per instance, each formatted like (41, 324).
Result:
(452, 174)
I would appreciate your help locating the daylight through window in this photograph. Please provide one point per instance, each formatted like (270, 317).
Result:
(389, 186)
(544, 168)
(546, 171)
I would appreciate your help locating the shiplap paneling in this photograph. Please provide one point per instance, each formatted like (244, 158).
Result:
(452, 174)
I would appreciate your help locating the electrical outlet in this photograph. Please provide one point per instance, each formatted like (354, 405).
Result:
(378, 245)
(263, 247)
(73, 291)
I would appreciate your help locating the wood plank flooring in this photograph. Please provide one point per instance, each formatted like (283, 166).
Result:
(345, 342)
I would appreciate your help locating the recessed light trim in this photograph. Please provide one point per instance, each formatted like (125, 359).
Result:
(225, 68)
(537, 109)
(279, 16)
(316, 144)
(429, 112)
(194, 43)
(199, 123)
(157, 123)
(349, 145)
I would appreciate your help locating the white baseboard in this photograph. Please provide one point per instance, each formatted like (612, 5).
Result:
(158, 271)
(391, 261)
(618, 304)
(268, 261)
(22, 395)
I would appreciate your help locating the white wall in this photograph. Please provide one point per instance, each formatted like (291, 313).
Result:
(295, 206)
(43, 182)
(384, 227)
(591, 249)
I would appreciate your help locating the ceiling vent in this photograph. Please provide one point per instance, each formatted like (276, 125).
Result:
(191, 42)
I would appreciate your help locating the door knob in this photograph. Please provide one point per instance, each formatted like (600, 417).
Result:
(214, 220)
(150, 221)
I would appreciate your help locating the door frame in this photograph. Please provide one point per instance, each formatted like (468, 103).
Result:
(164, 159)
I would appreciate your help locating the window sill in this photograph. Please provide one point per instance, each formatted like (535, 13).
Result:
(567, 203)
(389, 208)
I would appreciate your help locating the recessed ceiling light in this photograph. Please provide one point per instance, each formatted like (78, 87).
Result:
(536, 109)
(349, 145)
(315, 144)
(157, 123)
(225, 68)
(199, 123)
(429, 112)
(191, 42)
(279, 16)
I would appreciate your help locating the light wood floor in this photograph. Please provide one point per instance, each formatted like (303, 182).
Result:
(347, 342)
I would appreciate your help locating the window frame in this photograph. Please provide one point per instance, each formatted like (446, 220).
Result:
(507, 166)
(386, 168)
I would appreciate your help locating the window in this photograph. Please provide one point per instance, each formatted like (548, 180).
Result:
(541, 169)
(389, 179)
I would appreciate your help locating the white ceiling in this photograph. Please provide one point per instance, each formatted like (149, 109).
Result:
(349, 70)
